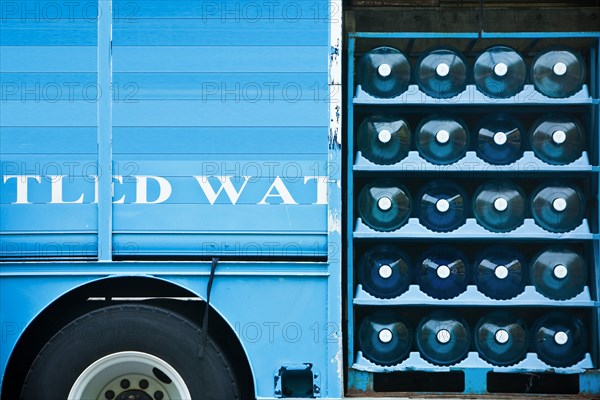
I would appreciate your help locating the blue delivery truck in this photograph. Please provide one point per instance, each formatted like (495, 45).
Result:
(298, 198)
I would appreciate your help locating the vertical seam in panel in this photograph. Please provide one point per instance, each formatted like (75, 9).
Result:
(104, 130)
(335, 373)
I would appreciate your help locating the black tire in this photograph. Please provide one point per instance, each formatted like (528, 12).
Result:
(130, 327)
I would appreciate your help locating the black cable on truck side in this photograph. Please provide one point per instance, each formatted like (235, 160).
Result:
(204, 332)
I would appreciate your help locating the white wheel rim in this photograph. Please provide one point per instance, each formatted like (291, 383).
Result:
(100, 376)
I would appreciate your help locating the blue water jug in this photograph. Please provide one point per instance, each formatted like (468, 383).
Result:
(443, 338)
(559, 273)
(558, 206)
(558, 73)
(557, 139)
(384, 205)
(442, 206)
(560, 339)
(384, 72)
(501, 338)
(442, 73)
(442, 139)
(499, 206)
(384, 140)
(500, 72)
(385, 337)
(499, 139)
(499, 272)
(384, 271)
(442, 272)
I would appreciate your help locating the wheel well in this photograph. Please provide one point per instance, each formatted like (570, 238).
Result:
(110, 291)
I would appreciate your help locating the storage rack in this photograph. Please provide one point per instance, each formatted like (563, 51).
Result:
(476, 373)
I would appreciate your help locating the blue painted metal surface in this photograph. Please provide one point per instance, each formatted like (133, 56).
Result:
(178, 128)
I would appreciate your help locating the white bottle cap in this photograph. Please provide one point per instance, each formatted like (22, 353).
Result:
(442, 205)
(385, 336)
(443, 271)
(559, 204)
(560, 68)
(384, 203)
(502, 336)
(442, 69)
(560, 271)
(500, 138)
(443, 336)
(500, 204)
(385, 271)
(559, 137)
(501, 272)
(561, 338)
(384, 70)
(442, 136)
(500, 69)
(384, 136)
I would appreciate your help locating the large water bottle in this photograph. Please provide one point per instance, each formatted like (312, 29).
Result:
(384, 271)
(499, 139)
(442, 73)
(384, 72)
(442, 206)
(558, 206)
(501, 338)
(384, 140)
(442, 272)
(557, 139)
(442, 139)
(558, 73)
(443, 338)
(559, 273)
(384, 205)
(499, 206)
(560, 339)
(385, 337)
(500, 72)
(499, 272)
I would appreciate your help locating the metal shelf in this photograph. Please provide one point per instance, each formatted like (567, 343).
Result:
(414, 362)
(528, 163)
(471, 96)
(473, 298)
(471, 230)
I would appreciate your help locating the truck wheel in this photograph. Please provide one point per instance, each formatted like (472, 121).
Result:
(129, 352)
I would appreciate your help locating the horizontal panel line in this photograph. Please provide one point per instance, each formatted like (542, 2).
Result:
(220, 126)
(212, 45)
(51, 126)
(176, 153)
